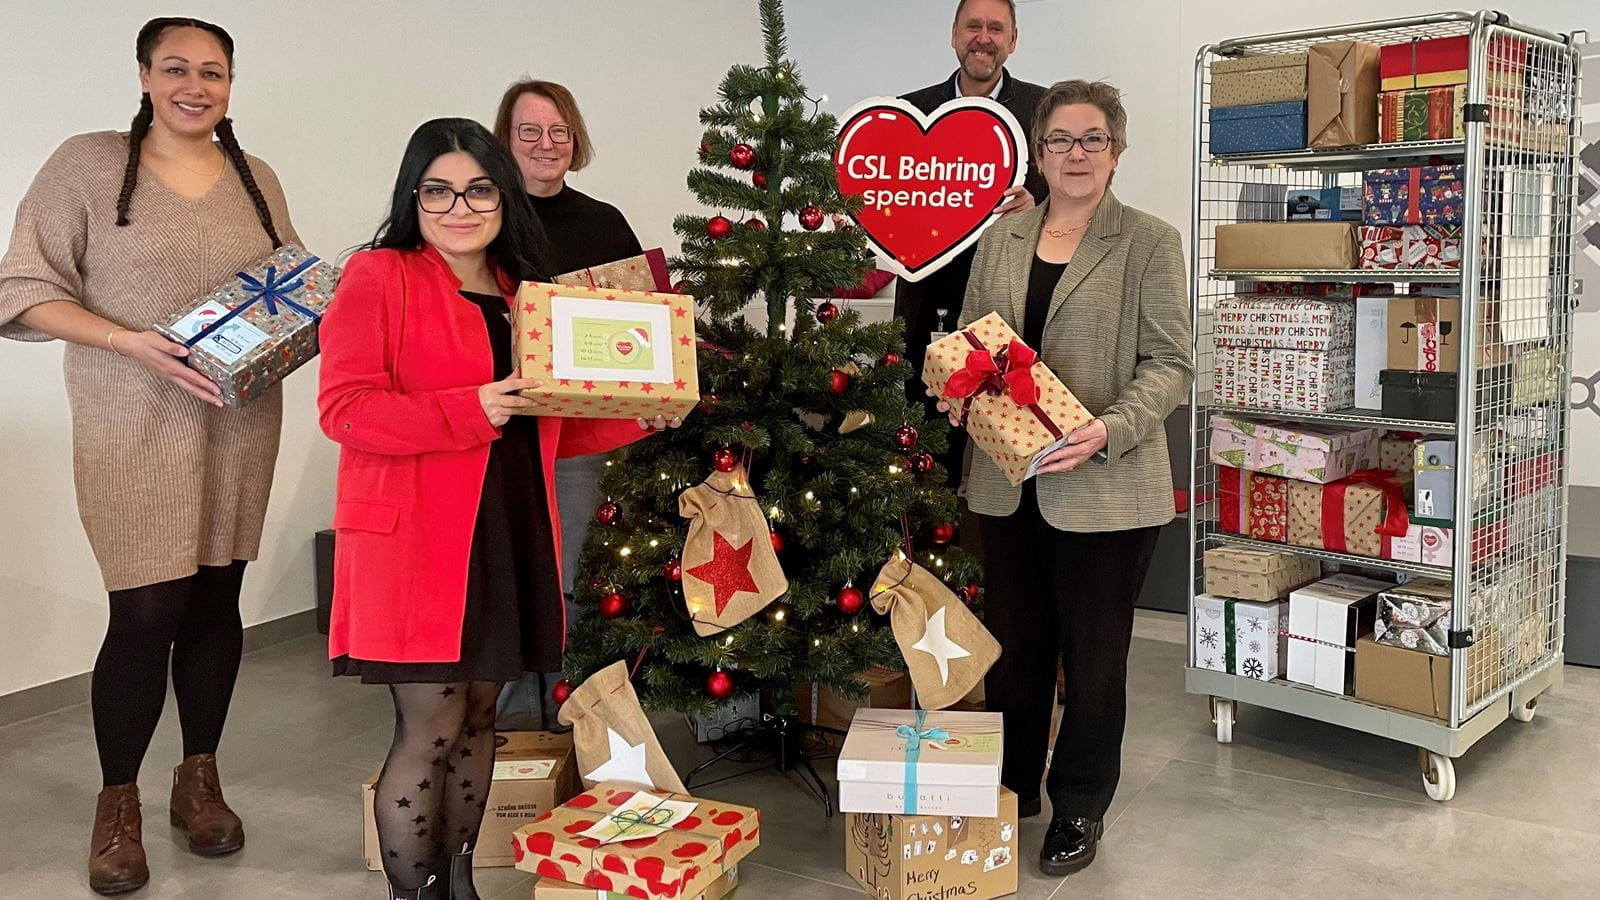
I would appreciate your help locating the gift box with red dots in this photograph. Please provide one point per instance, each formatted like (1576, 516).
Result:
(687, 844)
(606, 354)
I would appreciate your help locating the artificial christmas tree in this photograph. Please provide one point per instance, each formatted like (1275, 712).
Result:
(815, 410)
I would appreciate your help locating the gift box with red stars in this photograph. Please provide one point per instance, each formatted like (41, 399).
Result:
(606, 354)
(677, 862)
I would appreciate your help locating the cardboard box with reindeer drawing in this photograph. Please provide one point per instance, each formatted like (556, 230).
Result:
(898, 857)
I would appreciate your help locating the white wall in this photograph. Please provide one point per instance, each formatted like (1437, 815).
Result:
(329, 101)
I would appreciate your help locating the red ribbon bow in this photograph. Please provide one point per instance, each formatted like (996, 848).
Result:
(1396, 522)
(1008, 371)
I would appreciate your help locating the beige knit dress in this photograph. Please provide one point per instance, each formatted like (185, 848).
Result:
(165, 482)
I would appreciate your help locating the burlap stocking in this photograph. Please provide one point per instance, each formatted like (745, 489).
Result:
(730, 571)
(613, 738)
(947, 650)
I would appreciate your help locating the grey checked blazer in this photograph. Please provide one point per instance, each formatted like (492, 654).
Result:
(1118, 336)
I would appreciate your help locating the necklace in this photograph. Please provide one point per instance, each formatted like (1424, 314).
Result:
(1063, 232)
(222, 164)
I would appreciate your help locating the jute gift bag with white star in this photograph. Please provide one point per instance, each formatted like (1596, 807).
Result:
(730, 571)
(947, 650)
(613, 738)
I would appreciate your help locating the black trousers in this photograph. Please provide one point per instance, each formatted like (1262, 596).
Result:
(1069, 596)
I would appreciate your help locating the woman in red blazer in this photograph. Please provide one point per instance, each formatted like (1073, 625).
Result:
(446, 580)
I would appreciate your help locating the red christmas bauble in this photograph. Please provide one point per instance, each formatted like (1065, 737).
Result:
(673, 570)
(705, 148)
(755, 223)
(839, 382)
(850, 600)
(719, 227)
(943, 532)
(827, 311)
(905, 437)
(561, 691)
(719, 685)
(608, 513)
(922, 463)
(890, 359)
(811, 218)
(708, 403)
(680, 287)
(969, 593)
(759, 179)
(613, 605)
(724, 459)
(777, 541)
(743, 156)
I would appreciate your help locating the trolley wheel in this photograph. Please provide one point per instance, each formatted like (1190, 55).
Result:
(1524, 713)
(1222, 714)
(1438, 775)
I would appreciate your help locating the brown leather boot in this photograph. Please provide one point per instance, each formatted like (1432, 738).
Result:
(199, 810)
(116, 853)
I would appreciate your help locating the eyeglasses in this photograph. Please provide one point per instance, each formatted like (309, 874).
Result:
(1093, 142)
(440, 199)
(559, 134)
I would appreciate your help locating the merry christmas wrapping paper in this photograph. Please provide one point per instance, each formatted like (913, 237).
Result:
(1012, 405)
(1319, 453)
(1277, 378)
(1291, 323)
(687, 844)
(607, 354)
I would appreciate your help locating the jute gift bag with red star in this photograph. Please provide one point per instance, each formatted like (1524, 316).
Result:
(947, 650)
(614, 740)
(730, 571)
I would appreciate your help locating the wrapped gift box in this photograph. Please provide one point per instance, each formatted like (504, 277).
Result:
(1331, 204)
(1286, 245)
(551, 889)
(1290, 323)
(1397, 452)
(1259, 127)
(1275, 378)
(1410, 247)
(1260, 575)
(1319, 453)
(607, 354)
(1433, 485)
(1422, 114)
(1341, 93)
(1325, 619)
(1323, 289)
(1535, 376)
(1420, 682)
(1416, 616)
(901, 857)
(1253, 504)
(828, 708)
(252, 331)
(1420, 195)
(1011, 404)
(1436, 62)
(684, 844)
(534, 772)
(645, 272)
(1372, 350)
(1250, 80)
(1427, 541)
(921, 762)
(1240, 637)
(1357, 515)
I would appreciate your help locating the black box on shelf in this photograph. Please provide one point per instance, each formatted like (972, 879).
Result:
(1431, 396)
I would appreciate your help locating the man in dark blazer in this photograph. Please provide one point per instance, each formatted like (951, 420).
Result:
(984, 36)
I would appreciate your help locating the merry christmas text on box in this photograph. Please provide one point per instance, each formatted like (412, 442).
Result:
(607, 354)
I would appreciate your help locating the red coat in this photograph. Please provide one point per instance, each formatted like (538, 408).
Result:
(403, 356)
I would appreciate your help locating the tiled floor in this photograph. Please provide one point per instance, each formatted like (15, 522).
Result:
(1291, 808)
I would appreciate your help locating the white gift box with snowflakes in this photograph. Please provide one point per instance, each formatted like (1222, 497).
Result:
(1240, 637)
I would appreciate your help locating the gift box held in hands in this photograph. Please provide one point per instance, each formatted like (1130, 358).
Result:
(607, 354)
(251, 332)
(1011, 404)
(640, 843)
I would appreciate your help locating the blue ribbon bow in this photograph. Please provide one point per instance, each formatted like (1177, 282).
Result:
(273, 291)
(914, 736)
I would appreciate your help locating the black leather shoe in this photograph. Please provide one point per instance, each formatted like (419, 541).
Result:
(1027, 809)
(1069, 845)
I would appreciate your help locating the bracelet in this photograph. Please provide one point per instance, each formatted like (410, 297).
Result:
(111, 341)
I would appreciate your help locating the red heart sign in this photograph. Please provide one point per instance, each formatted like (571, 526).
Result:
(625, 347)
(930, 182)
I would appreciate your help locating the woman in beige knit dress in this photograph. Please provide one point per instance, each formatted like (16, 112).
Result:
(117, 232)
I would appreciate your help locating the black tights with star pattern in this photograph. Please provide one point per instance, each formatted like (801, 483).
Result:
(432, 793)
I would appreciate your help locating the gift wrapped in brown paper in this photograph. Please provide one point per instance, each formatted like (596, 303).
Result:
(1263, 78)
(645, 272)
(1342, 79)
(1287, 245)
(613, 738)
(730, 571)
(947, 650)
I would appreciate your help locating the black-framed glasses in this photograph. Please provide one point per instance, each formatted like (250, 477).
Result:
(1093, 142)
(559, 134)
(439, 199)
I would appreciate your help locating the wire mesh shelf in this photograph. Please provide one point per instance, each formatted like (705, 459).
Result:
(1348, 159)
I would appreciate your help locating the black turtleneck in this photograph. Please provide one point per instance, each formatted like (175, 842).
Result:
(583, 231)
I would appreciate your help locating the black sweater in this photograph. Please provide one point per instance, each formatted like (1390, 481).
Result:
(583, 231)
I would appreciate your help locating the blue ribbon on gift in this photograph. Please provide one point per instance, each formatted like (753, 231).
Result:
(274, 290)
(914, 736)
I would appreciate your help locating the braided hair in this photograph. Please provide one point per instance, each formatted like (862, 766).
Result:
(144, 51)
